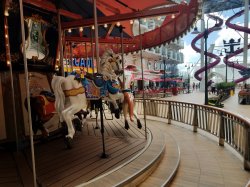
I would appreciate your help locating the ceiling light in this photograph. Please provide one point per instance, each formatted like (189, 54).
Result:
(81, 29)
(105, 25)
(69, 31)
(131, 22)
(118, 24)
(6, 13)
(93, 27)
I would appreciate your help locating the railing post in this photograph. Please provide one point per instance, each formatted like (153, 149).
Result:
(247, 148)
(169, 113)
(221, 130)
(195, 119)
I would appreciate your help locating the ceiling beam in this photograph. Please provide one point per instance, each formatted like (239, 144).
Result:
(49, 6)
(122, 17)
(110, 30)
(107, 6)
(101, 40)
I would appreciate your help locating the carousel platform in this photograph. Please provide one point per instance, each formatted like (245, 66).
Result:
(131, 158)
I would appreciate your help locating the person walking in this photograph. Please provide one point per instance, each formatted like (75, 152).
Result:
(213, 88)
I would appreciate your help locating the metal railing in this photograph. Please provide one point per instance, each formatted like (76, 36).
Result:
(228, 127)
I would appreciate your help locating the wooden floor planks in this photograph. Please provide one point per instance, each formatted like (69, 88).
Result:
(9, 176)
(57, 166)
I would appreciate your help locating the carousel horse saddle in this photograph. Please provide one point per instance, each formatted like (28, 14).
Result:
(113, 86)
(49, 96)
(97, 78)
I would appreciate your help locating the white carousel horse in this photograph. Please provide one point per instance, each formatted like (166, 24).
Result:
(70, 99)
(110, 69)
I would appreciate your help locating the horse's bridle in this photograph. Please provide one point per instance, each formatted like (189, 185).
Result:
(117, 72)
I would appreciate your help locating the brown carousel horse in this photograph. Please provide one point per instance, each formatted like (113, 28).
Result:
(43, 109)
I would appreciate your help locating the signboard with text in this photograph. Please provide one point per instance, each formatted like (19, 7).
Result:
(79, 63)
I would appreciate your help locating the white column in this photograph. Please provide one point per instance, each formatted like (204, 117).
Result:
(246, 19)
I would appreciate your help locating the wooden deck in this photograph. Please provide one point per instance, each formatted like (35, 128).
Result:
(9, 175)
(58, 166)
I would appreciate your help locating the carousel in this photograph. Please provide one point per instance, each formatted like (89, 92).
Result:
(67, 116)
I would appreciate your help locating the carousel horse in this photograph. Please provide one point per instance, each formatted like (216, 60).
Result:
(70, 98)
(111, 70)
(74, 90)
(43, 109)
(105, 85)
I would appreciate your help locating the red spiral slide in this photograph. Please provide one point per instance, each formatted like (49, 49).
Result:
(226, 60)
(211, 55)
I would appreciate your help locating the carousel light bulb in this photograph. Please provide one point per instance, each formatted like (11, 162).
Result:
(6, 13)
(145, 19)
(131, 22)
(105, 25)
(173, 16)
(93, 27)
(81, 29)
(159, 18)
(8, 62)
(6, 35)
(69, 31)
(118, 24)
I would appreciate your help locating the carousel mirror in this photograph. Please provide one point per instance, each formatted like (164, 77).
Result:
(36, 46)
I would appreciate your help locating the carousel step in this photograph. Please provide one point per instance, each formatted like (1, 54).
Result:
(140, 168)
(168, 166)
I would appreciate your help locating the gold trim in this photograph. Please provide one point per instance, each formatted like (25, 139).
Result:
(74, 91)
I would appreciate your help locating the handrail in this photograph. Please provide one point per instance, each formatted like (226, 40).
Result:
(228, 127)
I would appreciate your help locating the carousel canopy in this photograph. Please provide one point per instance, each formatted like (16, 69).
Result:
(77, 17)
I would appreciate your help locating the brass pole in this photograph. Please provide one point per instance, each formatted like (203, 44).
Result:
(142, 76)
(28, 93)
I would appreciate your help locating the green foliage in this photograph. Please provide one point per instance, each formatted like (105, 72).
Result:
(225, 85)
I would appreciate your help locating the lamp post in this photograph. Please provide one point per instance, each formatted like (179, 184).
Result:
(164, 62)
(233, 71)
(206, 79)
(205, 36)
(226, 57)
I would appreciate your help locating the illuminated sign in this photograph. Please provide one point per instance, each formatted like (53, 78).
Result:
(81, 62)
(86, 64)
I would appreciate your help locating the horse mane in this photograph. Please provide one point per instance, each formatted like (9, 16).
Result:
(106, 67)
